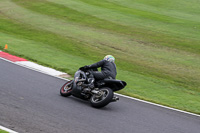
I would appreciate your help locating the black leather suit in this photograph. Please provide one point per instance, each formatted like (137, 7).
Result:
(108, 70)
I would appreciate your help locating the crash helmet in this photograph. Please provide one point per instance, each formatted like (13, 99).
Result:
(109, 58)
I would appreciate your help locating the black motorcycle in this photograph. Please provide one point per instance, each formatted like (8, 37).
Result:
(99, 93)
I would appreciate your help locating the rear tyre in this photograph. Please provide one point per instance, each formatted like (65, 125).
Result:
(102, 99)
(66, 89)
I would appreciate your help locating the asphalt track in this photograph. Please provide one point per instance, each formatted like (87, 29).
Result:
(30, 103)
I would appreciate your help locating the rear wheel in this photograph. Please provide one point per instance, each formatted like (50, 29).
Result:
(66, 89)
(103, 98)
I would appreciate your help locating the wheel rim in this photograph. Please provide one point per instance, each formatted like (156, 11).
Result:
(67, 88)
(98, 98)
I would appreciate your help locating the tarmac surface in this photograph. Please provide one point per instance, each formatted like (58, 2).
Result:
(30, 103)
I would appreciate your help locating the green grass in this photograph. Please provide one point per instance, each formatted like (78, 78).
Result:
(156, 43)
(1, 131)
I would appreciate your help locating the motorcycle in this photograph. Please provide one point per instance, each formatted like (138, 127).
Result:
(99, 93)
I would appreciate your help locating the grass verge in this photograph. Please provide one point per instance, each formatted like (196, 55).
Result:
(2, 131)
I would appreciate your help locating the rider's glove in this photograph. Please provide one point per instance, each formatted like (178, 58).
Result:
(84, 68)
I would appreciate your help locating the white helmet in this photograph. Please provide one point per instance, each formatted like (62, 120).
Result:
(109, 58)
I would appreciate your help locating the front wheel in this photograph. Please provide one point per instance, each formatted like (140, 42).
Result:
(66, 89)
(102, 99)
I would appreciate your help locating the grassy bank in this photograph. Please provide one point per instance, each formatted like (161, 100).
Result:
(1, 131)
(156, 44)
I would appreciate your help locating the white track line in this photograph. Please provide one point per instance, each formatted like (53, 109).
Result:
(41, 68)
(162, 106)
(34, 69)
(7, 130)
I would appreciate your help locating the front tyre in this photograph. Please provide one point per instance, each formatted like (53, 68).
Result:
(102, 99)
(66, 89)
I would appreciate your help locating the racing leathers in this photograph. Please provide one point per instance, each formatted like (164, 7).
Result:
(108, 70)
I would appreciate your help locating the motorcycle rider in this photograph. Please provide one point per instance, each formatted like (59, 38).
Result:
(108, 68)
